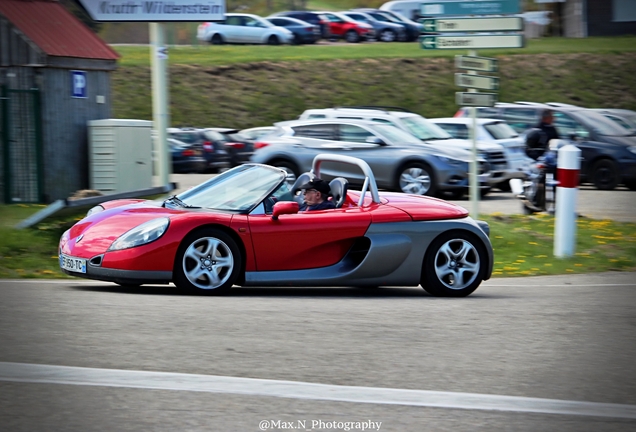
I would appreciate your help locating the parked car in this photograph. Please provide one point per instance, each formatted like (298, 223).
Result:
(429, 133)
(514, 164)
(311, 17)
(239, 147)
(304, 32)
(412, 28)
(343, 27)
(186, 158)
(624, 117)
(399, 160)
(213, 144)
(385, 31)
(243, 227)
(244, 29)
(608, 151)
(257, 132)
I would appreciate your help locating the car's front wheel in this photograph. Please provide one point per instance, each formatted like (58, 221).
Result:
(352, 36)
(416, 178)
(273, 40)
(454, 265)
(387, 36)
(208, 262)
(605, 174)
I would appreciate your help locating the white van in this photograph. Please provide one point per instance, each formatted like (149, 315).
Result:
(409, 9)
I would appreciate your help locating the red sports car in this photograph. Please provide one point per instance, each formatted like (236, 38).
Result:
(243, 227)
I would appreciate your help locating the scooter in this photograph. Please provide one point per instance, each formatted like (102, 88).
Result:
(538, 191)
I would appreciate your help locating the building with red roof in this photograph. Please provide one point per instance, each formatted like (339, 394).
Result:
(54, 78)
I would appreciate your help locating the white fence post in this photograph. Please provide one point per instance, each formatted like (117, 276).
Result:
(568, 169)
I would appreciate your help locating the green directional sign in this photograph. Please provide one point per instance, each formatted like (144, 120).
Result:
(477, 81)
(473, 24)
(472, 42)
(474, 7)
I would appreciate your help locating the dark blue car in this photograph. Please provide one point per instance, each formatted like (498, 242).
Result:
(304, 32)
(186, 158)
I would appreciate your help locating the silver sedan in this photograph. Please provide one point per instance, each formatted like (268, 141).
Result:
(399, 160)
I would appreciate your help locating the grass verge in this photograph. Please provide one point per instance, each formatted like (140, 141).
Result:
(523, 245)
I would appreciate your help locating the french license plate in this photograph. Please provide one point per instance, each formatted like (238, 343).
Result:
(77, 265)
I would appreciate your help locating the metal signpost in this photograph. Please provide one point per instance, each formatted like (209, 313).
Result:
(447, 19)
(155, 13)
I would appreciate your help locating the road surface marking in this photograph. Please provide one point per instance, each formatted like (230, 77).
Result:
(49, 374)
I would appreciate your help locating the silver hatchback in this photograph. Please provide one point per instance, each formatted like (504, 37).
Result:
(399, 160)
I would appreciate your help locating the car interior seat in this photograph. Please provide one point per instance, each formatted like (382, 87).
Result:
(339, 187)
(301, 180)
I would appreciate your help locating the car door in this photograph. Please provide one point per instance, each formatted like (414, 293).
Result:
(232, 29)
(253, 30)
(306, 240)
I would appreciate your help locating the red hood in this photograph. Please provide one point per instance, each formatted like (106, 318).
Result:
(422, 208)
(101, 229)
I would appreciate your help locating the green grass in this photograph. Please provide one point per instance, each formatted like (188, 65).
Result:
(523, 245)
(208, 55)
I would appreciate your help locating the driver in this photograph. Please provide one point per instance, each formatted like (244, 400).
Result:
(315, 194)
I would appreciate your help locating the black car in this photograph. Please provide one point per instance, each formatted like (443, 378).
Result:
(411, 28)
(186, 158)
(310, 17)
(608, 151)
(304, 32)
(214, 150)
(239, 147)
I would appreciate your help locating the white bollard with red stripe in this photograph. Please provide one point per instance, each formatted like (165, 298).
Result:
(568, 169)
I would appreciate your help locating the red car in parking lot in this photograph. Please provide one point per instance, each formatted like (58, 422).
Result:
(344, 27)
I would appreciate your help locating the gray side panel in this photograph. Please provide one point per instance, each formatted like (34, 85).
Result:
(395, 258)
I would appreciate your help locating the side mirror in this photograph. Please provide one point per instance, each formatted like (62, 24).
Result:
(284, 207)
(374, 140)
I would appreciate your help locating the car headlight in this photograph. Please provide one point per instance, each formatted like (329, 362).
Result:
(632, 149)
(450, 161)
(94, 210)
(140, 235)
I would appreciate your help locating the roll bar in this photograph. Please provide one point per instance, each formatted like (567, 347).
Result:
(369, 181)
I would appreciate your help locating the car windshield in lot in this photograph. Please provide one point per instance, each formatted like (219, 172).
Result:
(239, 189)
(424, 129)
(500, 130)
(601, 124)
(396, 135)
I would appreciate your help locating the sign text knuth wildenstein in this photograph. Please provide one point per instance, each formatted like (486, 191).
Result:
(158, 7)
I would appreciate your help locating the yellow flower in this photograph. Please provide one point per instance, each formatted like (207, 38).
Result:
(540, 256)
(533, 243)
(578, 265)
(548, 264)
(520, 261)
(569, 270)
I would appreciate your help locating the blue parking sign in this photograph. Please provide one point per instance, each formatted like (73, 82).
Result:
(78, 84)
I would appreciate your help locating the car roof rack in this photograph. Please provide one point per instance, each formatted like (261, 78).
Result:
(375, 107)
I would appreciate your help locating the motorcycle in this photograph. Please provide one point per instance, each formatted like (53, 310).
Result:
(538, 191)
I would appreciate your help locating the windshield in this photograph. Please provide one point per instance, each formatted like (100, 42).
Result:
(395, 135)
(239, 189)
(500, 130)
(424, 129)
(602, 125)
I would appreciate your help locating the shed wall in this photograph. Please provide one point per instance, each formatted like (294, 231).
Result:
(600, 20)
(65, 131)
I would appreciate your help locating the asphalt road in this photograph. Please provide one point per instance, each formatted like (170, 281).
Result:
(619, 204)
(454, 364)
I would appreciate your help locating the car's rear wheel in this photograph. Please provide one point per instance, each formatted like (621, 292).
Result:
(605, 174)
(454, 265)
(208, 263)
(352, 36)
(217, 39)
(273, 40)
(387, 35)
(416, 178)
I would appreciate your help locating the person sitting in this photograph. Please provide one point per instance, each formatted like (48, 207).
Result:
(315, 194)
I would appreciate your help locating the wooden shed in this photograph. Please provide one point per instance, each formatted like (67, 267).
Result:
(54, 78)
